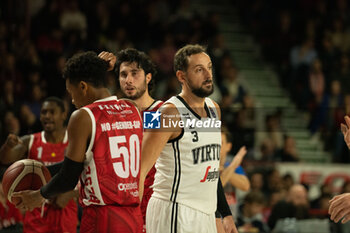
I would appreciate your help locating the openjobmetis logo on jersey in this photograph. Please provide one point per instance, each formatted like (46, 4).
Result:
(156, 120)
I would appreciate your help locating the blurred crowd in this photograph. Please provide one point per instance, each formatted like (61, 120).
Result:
(308, 43)
(37, 37)
(307, 40)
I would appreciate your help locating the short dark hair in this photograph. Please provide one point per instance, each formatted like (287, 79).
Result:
(56, 100)
(88, 67)
(181, 56)
(141, 59)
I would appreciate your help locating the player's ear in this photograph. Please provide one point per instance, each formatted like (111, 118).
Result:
(148, 78)
(180, 76)
(83, 86)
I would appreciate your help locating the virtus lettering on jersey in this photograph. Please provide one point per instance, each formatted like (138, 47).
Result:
(206, 153)
(210, 175)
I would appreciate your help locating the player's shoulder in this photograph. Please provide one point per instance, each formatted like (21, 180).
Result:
(80, 115)
(168, 108)
(128, 102)
(216, 105)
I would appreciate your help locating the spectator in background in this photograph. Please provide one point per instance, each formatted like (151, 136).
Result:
(270, 140)
(273, 182)
(72, 19)
(342, 73)
(11, 125)
(29, 122)
(250, 214)
(267, 150)
(8, 100)
(287, 181)
(256, 182)
(317, 81)
(339, 36)
(296, 205)
(303, 54)
(231, 85)
(289, 151)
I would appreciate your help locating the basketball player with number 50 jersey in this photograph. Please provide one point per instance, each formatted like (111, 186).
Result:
(104, 150)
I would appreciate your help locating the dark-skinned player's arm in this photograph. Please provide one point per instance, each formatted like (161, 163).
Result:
(14, 149)
(154, 141)
(79, 133)
(222, 205)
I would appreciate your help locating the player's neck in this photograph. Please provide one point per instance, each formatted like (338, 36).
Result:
(100, 93)
(55, 136)
(144, 101)
(195, 102)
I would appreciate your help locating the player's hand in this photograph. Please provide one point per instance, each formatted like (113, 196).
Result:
(110, 58)
(219, 226)
(13, 140)
(229, 224)
(237, 160)
(345, 129)
(62, 199)
(30, 199)
(339, 207)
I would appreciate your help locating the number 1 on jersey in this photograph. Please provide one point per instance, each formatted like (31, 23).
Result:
(133, 153)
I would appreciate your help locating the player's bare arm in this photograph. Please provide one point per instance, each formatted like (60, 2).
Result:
(14, 149)
(228, 174)
(79, 133)
(154, 142)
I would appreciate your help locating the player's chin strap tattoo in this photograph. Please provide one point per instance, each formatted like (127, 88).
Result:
(222, 206)
(65, 180)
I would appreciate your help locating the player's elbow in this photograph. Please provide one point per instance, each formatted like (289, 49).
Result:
(245, 186)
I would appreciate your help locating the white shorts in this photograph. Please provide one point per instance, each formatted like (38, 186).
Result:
(165, 217)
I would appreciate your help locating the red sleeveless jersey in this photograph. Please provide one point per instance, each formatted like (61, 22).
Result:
(147, 192)
(55, 219)
(48, 153)
(112, 164)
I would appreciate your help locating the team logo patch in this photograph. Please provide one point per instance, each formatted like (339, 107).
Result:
(151, 120)
(212, 112)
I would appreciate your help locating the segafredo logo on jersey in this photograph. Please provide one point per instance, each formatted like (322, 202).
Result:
(210, 175)
(151, 120)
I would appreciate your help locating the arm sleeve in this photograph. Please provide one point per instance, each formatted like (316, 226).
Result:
(65, 180)
(55, 168)
(222, 205)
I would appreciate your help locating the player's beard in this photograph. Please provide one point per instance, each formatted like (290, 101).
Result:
(201, 91)
(139, 92)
